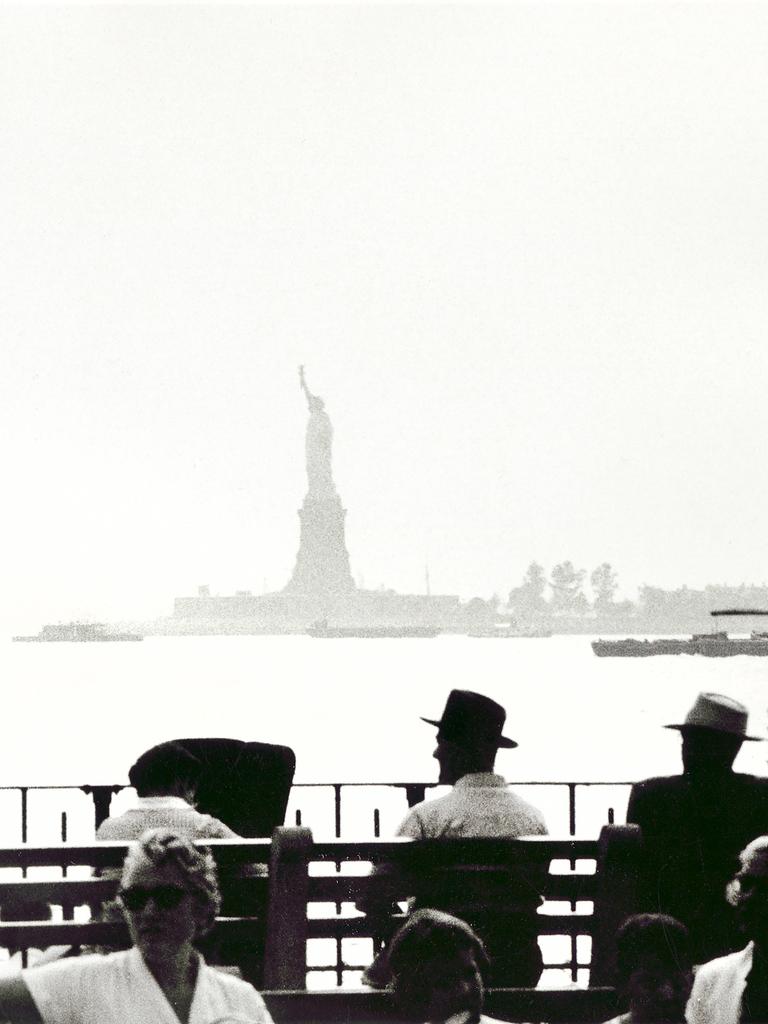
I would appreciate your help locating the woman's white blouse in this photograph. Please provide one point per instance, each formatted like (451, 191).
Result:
(119, 989)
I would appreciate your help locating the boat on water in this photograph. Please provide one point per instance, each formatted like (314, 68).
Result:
(76, 632)
(717, 644)
(322, 629)
(510, 632)
(634, 648)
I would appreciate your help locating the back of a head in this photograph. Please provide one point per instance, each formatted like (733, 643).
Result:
(429, 935)
(706, 751)
(437, 965)
(164, 770)
(651, 936)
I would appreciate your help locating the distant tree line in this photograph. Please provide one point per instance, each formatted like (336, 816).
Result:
(559, 598)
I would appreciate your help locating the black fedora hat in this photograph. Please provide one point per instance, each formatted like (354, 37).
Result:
(470, 717)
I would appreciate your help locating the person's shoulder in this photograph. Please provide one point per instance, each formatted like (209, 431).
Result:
(87, 966)
(656, 791)
(757, 789)
(528, 812)
(227, 979)
(658, 784)
(235, 989)
(721, 965)
(111, 827)
(431, 806)
(208, 827)
(743, 795)
(756, 783)
(422, 818)
(661, 795)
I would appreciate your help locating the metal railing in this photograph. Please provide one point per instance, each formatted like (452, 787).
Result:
(569, 820)
(413, 792)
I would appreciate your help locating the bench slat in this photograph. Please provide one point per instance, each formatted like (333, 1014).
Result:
(557, 1006)
(362, 927)
(39, 934)
(226, 853)
(337, 888)
(523, 851)
(249, 891)
(60, 890)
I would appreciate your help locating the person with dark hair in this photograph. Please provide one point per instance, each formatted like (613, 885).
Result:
(695, 824)
(437, 966)
(165, 779)
(170, 896)
(733, 989)
(653, 968)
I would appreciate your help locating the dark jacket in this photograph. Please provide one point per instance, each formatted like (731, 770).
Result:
(692, 836)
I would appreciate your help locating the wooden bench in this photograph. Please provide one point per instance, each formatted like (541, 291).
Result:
(556, 1006)
(297, 889)
(270, 920)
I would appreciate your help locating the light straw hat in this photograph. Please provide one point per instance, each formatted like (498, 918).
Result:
(719, 713)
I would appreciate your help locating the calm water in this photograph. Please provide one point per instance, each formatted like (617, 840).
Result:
(350, 708)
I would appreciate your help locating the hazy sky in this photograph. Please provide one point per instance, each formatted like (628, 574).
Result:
(521, 249)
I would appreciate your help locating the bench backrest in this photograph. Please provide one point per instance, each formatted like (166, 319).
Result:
(275, 917)
(298, 881)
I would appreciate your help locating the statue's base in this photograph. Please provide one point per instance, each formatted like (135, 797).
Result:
(322, 562)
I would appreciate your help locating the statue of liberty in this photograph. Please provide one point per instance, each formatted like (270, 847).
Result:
(322, 562)
(318, 445)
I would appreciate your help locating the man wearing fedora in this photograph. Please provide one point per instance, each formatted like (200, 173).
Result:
(481, 804)
(695, 824)
(469, 734)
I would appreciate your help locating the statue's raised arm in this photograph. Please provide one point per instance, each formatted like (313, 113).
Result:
(304, 388)
(318, 443)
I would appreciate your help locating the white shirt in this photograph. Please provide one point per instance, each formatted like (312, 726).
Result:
(119, 989)
(718, 988)
(163, 812)
(479, 805)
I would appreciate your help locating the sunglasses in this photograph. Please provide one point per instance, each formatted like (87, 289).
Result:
(166, 897)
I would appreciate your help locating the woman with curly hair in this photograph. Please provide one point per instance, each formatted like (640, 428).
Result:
(170, 896)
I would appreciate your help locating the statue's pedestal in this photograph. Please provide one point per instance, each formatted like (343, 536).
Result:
(322, 563)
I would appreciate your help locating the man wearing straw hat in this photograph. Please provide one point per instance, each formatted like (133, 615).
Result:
(695, 824)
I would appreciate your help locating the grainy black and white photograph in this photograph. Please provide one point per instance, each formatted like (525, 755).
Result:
(384, 621)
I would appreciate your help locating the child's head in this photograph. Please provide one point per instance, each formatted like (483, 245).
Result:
(437, 964)
(654, 968)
